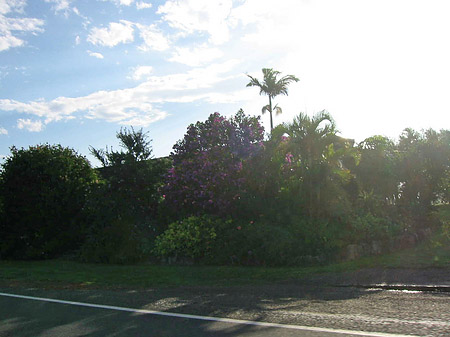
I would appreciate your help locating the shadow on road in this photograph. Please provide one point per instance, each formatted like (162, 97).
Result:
(20, 317)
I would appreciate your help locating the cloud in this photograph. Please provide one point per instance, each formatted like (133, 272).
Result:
(8, 25)
(28, 124)
(169, 87)
(132, 106)
(93, 54)
(117, 32)
(60, 5)
(8, 41)
(143, 5)
(140, 72)
(120, 2)
(196, 56)
(7, 6)
(153, 38)
(203, 16)
(3, 131)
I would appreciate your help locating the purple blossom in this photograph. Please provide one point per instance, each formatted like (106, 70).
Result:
(209, 160)
(289, 157)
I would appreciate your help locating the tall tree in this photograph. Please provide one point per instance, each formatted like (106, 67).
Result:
(208, 163)
(136, 144)
(272, 86)
(133, 175)
(320, 155)
(377, 172)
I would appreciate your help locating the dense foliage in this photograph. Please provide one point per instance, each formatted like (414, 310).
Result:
(133, 177)
(304, 195)
(44, 190)
(207, 164)
(123, 210)
(226, 195)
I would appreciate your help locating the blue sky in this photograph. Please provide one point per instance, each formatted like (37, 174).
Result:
(75, 71)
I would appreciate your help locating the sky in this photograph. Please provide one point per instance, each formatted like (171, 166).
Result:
(74, 72)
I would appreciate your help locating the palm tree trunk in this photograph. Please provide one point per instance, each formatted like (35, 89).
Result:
(270, 111)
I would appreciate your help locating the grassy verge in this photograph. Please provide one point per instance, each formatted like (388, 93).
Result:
(57, 273)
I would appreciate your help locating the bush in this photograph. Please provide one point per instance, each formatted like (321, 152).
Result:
(190, 238)
(365, 228)
(115, 234)
(118, 242)
(210, 240)
(44, 191)
(255, 244)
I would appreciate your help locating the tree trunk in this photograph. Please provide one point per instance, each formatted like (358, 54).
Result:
(270, 111)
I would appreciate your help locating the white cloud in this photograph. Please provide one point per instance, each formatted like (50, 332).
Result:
(143, 5)
(121, 2)
(28, 124)
(77, 40)
(3, 131)
(60, 5)
(8, 25)
(153, 37)
(117, 32)
(141, 72)
(7, 6)
(169, 87)
(201, 16)
(8, 41)
(96, 55)
(196, 56)
(127, 106)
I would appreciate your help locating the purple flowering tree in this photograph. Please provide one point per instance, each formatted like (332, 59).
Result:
(206, 176)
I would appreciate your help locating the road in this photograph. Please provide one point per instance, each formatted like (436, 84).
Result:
(289, 310)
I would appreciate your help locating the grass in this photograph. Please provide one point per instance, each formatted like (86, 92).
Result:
(59, 273)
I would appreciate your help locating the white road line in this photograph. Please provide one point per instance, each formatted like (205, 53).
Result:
(209, 318)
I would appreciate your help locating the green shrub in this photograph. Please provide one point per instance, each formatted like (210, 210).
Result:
(115, 234)
(366, 228)
(190, 238)
(119, 242)
(258, 244)
(44, 191)
(211, 240)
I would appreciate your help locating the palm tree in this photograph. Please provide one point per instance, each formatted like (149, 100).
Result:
(271, 86)
(314, 140)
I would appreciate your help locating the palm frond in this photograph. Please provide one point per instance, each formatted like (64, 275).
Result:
(278, 110)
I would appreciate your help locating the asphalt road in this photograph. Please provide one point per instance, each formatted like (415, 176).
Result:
(314, 310)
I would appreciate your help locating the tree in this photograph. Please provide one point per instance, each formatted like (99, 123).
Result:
(124, 210)
(377, 173)
(44, 191)
(423, 169)
(272, 86)
(136, 144)
(133, 176)
(207, 164)
(317, 156)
